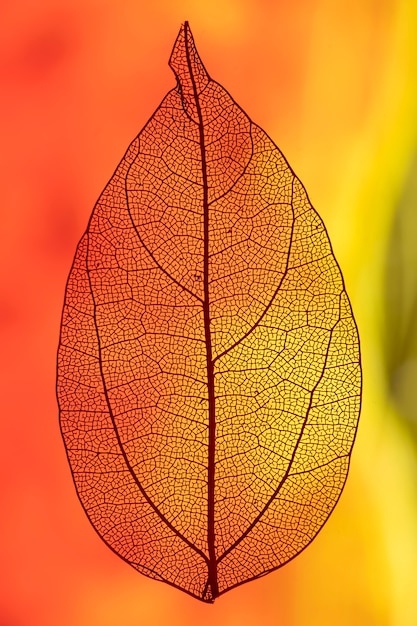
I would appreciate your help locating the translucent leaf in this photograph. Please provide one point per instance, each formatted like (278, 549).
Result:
(209, 372)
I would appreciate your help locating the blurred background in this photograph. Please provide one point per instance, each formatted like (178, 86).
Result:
(334, 84)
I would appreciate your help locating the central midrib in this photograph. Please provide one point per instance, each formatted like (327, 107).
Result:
(211, 538)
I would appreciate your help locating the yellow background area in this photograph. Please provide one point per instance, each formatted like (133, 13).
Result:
(334, 84)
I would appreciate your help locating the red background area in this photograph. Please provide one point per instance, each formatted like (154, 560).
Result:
(333, 84)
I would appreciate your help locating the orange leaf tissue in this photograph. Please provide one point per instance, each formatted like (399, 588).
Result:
(209, 376)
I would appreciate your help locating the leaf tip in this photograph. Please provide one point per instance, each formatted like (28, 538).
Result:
(185, 62)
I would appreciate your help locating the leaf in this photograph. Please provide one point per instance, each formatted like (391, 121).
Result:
(208, 370)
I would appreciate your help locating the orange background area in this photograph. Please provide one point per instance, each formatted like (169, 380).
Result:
(334, 85)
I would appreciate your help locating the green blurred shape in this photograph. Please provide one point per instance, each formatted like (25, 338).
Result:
(401, 304)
